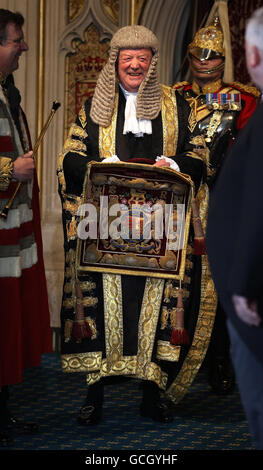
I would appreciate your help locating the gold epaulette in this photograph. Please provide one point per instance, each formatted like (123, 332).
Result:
(251, 90)
(178, 85)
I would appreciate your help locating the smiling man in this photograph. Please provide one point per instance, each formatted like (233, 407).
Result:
(130, 116)
(133, 66)
(14, 45)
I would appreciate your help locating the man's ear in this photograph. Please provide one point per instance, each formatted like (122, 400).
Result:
(254, 56)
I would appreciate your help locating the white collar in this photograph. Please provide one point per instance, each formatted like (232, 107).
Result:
(128, 93)
(131, 123)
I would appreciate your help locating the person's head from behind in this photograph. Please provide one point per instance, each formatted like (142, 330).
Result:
(254, 47)
(12, 43)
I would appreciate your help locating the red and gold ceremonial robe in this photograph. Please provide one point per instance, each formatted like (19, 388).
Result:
(24, 313)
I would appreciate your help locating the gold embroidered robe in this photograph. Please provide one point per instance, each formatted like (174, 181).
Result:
(127, 315)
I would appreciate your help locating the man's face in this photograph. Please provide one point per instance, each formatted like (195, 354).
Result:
(11, 49)
(200, 67)
(133, 65)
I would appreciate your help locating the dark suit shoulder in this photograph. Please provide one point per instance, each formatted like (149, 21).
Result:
(87, 105)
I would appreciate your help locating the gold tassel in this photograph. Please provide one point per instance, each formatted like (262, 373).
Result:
(179, 334)
(92, 326)
(168, 291)
(68, 330)
(199, 238)
(164, 318)
(80, 327)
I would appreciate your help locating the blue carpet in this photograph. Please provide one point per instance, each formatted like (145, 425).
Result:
(203, 421)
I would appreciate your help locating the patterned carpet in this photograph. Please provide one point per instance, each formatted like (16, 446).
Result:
(203, 421)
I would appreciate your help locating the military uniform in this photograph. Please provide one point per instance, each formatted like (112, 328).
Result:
(219, 111)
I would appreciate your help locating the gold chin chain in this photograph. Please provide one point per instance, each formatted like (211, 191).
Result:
(192, 116)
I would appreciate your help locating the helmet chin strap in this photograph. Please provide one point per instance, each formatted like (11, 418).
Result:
(208, 72)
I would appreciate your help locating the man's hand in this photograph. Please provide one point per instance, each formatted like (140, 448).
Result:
(162, 162)
(246, 310)
(24, 167)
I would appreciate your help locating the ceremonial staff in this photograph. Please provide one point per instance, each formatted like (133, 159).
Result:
(55, 106)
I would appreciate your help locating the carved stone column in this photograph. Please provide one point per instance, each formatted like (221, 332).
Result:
(167, 19)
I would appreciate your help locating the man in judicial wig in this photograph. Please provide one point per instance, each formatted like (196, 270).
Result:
(130, 116)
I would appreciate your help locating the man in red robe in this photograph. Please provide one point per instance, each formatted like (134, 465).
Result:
(24, 313)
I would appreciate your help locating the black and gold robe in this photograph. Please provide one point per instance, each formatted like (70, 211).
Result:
(128, 316)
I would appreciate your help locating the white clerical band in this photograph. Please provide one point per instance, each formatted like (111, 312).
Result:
(132, 124)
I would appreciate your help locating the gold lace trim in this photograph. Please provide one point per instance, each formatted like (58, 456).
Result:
(170, 121)
(6, 170)
(205, 321)
(212, 87)
(107, 135)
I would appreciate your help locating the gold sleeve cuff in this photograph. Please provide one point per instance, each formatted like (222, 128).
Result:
(200, 149)
(196, 154)
(6, 171)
